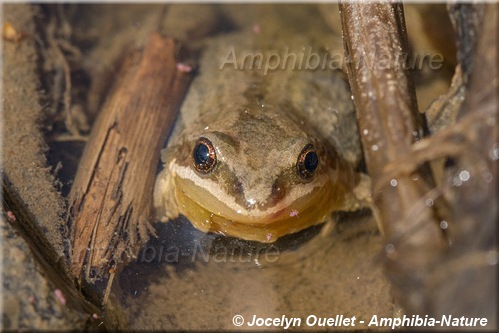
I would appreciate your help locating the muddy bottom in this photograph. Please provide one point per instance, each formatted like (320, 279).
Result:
(187, 279)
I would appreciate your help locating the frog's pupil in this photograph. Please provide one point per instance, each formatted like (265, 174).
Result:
(201, 154)
(311, 161)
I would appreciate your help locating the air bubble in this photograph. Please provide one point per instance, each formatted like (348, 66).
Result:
(393, 182)
(494, 153)
(429, 202)
(464, 175)
(444, 224)
(375, 147)
(456, 180)
(389, 248)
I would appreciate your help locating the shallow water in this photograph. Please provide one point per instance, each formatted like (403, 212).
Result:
(190, 280)
(186, 279)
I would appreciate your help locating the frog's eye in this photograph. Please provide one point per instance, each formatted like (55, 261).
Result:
(308, 162)
(204, 156)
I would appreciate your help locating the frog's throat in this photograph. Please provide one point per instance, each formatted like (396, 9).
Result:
(296, 212)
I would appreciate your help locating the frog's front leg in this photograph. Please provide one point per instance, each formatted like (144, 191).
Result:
(363, 194)
(358, 198)
(165, 202)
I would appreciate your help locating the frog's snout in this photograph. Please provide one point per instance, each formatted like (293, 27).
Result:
(277, 193)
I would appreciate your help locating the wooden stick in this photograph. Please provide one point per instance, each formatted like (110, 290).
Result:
(470, 184)
(110, 200)
(389, 123)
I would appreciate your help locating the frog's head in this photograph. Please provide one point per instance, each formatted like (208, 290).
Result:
(258, 179)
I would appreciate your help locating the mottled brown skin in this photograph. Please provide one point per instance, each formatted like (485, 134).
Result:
(259, 121)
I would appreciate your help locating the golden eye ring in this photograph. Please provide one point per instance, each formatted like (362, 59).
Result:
(308, 162)
(204, 156)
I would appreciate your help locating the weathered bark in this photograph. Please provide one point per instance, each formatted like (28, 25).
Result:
(110, 200)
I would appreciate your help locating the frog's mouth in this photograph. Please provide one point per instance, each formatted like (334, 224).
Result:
(210, 214)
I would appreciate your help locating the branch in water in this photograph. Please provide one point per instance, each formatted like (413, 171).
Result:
(110, 200)
(389, 124)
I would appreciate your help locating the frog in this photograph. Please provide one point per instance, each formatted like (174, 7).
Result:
(264, 149)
